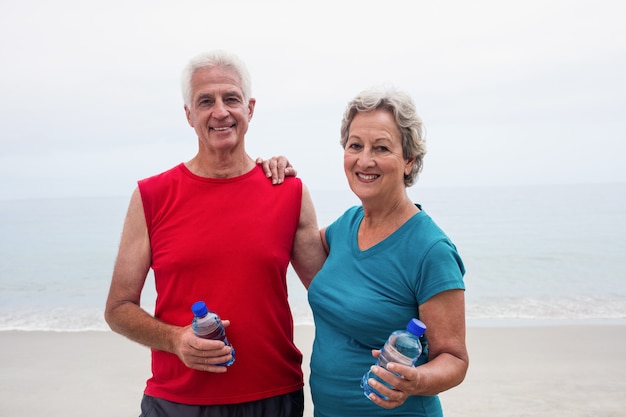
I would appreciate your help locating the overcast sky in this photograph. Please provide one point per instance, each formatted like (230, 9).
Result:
(530, 92)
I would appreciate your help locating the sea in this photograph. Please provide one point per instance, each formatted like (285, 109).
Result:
(534, 255)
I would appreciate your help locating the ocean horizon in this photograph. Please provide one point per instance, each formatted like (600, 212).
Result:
(535, 255)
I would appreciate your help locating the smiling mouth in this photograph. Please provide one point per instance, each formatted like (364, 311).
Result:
(367, 177)
(223, 128)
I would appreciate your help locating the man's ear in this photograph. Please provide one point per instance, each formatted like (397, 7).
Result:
(188, 116)
(251, 104)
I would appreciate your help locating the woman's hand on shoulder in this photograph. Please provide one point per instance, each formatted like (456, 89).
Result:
(277, 168)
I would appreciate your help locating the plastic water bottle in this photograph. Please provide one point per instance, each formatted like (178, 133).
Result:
(207, 324)
(402, 346)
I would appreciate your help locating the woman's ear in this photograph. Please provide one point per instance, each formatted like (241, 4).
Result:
(409, 166)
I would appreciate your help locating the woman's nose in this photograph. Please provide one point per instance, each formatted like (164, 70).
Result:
(366, 159)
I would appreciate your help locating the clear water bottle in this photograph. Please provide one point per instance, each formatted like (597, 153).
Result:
(207, 324)
(402, 346)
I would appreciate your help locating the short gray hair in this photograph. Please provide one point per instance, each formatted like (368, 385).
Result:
(400, 105)
(216, 58)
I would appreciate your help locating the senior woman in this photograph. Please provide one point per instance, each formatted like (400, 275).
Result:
(387, 262)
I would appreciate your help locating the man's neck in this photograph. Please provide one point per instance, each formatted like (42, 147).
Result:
(223, 166)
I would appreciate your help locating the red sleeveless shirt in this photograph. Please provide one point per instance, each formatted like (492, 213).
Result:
(227, 242)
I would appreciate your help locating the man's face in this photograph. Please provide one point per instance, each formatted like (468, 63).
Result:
(217, 111)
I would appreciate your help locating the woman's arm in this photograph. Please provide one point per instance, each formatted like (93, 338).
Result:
(444, 315)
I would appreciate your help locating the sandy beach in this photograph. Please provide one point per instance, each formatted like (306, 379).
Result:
(566, 370)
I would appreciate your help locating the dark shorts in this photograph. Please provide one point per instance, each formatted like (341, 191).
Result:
(288, 405)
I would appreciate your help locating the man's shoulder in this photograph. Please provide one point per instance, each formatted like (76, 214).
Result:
(163, 176)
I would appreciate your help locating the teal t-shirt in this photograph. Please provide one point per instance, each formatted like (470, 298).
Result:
(359, 297)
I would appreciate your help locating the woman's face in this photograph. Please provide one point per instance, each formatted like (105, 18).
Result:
(372, 158)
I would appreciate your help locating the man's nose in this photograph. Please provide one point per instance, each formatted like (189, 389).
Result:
(219, 109)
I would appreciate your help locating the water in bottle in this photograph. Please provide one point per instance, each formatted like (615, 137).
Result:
(402, 346)
(207, 324)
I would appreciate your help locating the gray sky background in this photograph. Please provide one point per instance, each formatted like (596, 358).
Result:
(511, 93)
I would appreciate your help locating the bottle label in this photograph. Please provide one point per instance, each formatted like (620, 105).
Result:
(398, 353)
(208, 327)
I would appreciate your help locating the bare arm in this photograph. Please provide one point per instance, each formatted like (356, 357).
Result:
(448, 360)
(308, 253)
(324, 243)
(124, 314)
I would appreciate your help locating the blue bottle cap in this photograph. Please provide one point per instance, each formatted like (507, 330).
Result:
(416, 327)
(199, 309)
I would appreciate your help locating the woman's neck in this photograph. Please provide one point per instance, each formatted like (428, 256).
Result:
(381, 221)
